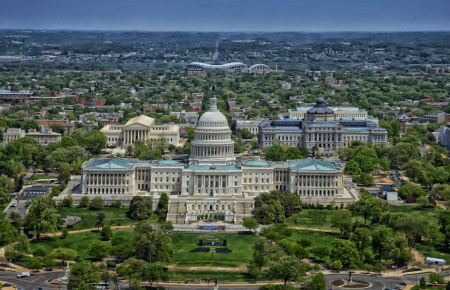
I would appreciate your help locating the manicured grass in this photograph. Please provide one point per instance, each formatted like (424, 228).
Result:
(431, 214)
(222, 276)
(315, 218)
(79, 242)
(43, 176)
(117, 216)
(240, 245)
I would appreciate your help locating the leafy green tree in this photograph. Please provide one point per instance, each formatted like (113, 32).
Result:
(141, 208)
(165, 226)
(84, 202)
(343, 221)
(42, 217)
(122, 247)
(423, 283)
(337, 265)
(40, 252)
(99, 250)
(293, 153)
(344, 251)
(250, 223)
(153, 246)
(275, 153)
(318, 282)
(276, 232)
(100, 220)
(96, 203)
(288, 268)
(367, 206)
(8, 233)
(245, 134)
(362, 238)
(6, 187)
(83, 275)
(423, 201)
(106, 233)
(163, 205)
(320, 252)
(64, 173)
(94, 141)
(64, 254)
(409, 190)
(352, 168)
(379, 235)
(36, 264)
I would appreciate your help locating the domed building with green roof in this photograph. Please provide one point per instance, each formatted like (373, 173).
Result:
(213, 180)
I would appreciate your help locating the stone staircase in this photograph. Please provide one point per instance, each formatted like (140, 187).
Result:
(177, 211)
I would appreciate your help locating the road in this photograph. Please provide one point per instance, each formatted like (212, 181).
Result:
(378, 283)
(33, 282)
(21, 208)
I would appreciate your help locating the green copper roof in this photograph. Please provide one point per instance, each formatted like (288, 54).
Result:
(312, 164)
(113, 163)
(168, 163)
(257, 163)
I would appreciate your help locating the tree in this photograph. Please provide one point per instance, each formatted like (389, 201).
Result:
(409, 190)
(153, 246)
(83, 275)
(275, 153)
(423, 283)
(84, 202)
(8, 233)
(337, 265)
(352, 168)
(288, 268)
(165, 226)
(36, 264)
(6, 187)
(64, 173)
(320, 253)
(361, 237)
(122, 247)
(163, 205)
(343, 221)
(42, 217)
(423, 201)
(106, 233)
(100, 220)
(250, 223)
(40, 252)
(64, 254)
(245, 134)
(367, 206)
(94, 141)
(96, 203)
(318, 282)
(99, 250)
(65, 233)
(344, 251)
(141, 208)
(379, 235)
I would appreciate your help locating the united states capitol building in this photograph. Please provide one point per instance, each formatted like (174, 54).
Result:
(213, 180)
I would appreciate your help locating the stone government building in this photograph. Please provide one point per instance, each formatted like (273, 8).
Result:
(328, 129)
(140, 128)
(213, 181)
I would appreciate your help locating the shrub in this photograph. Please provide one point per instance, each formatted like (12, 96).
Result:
(84, 202)
(423, 283)
(40, 252)
(110, 264)
(65, 233)
(96, 204)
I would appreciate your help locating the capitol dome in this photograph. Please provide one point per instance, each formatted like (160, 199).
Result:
(212, 144)
(213, 118)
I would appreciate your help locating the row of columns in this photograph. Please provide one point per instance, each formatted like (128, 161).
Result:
(281, 176)
(212, 181)
(130, 136)
(107, 179)
(329, 137)
(326, 181)
(213, 151)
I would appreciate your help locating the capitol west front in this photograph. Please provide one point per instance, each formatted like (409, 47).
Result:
(212, 181)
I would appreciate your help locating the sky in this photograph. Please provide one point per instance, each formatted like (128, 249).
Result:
(227, 15)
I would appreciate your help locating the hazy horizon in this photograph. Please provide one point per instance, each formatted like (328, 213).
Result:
(228, 15)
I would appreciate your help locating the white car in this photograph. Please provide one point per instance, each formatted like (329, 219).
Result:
(14, 205)
(23, 274)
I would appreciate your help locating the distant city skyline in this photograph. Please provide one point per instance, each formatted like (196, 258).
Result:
(228, 15)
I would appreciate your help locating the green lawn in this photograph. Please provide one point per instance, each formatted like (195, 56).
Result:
(315, 218)
(240, 245)
(43, 176)
(79, 242)
(431, 214)
(222, 276)
(89, 217)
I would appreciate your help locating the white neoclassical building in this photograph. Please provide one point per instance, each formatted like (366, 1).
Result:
(140, 128)
(213, 181)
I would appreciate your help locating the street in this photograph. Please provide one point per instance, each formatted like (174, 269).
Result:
(21, 208)
(378, 282)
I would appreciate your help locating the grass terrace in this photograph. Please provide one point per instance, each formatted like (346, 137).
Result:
(113, 217)
(315, 218)
(431, 214)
